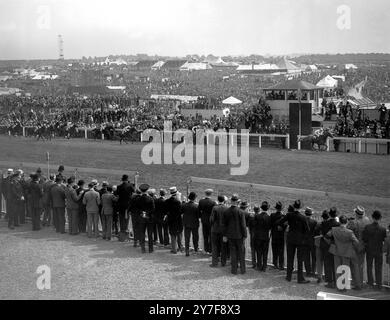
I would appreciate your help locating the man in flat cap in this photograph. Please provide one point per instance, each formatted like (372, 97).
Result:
(146, 209)
(205, 207)
(277, 236)
(298, 228)
(235, 233)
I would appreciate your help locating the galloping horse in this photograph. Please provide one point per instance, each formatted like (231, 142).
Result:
(128, 134)
(15, 129)
(71, 131)
(320, 140)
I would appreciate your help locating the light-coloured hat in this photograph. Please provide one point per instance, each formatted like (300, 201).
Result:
(208, 191)
(359, 210)
(95, 182)
(173, 190)
(10, 170)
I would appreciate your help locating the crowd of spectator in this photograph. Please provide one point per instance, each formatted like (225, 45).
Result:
(229, 227)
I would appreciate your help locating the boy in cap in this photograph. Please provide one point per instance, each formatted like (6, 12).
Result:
(277, 236)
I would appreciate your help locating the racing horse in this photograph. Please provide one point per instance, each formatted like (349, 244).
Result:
(71, 131)
(319, 140)
(129, 134)
(15, 129)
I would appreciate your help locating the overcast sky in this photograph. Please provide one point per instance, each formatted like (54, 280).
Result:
(29, 28)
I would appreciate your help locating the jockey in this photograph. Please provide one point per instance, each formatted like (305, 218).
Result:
(319, 132)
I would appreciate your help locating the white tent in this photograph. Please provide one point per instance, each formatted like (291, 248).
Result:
(231, 101)
(327, 82)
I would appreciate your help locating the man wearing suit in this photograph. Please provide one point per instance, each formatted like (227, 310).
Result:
(374, 236)
(205, 207)
(219, 248)
(80, 191)
(162, 227)
(6, 191)
(277, 236)
(108, 201)
(124, 192)
(36, 194)
(72, 206)
(298, 229)
(309, 247)
(248, 222)
(135, 215)
(343, 249)
(191, 217)
(357, 225)
(173, 218)
(46, 200)
(16, 197)
(145, 204)
(58, 199)
(261, 231)
(92, 202)
(326, 226)
(234, 232)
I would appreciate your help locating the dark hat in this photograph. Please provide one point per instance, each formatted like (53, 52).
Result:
(264, 206)
(192, 196)
(297, 204)
(308, 211)
(125, 177)
(81, 183)
(34, 177)
(325, 214)
(278, 205)
(59, 179)
(221, 198)
(256, 208)
(244, 205)
(234, 197)
(144, 187)
(290, 208)
(104, 184)
(90, 185)
(163, 192)
(333, 212)
(376, 215)
(61, 168)
(39, 170)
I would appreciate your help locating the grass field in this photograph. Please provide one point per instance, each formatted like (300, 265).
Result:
(360, 174)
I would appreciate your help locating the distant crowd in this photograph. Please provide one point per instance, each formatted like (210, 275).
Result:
(159, 218)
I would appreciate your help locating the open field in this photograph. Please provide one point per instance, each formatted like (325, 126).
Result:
(360, 174)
